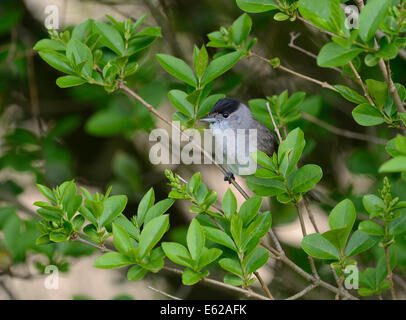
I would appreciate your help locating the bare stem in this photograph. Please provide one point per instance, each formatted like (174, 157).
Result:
(263, 285)
(297, 74)
(342, 132)
(390, 277)
(274, 123)
(303, 292)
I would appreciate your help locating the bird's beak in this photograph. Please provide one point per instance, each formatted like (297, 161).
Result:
(208, 119)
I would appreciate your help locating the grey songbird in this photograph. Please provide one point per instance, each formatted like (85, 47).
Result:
(237, 134)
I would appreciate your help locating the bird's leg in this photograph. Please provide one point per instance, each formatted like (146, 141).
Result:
(229, 176)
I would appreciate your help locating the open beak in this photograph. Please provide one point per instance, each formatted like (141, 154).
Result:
(208, 119)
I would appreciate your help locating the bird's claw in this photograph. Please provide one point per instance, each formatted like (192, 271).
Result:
(229, 176)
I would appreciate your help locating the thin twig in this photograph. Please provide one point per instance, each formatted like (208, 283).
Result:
(263, 285)
(248, 293)
(390, 278)
(361, 83)
(340, 286)
(164, 293)
(302, 293)
(297, 74)
(274, 123)
(343, 132)
(293, 37)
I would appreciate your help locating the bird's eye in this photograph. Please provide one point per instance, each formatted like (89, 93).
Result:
(225, 115)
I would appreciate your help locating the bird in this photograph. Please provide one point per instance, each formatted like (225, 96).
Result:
(231, 120)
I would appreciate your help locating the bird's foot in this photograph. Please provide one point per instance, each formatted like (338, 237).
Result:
(229, 176)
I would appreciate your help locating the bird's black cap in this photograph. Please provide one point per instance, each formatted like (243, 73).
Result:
(228, 105)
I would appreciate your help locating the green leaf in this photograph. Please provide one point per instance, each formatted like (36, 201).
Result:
(264, 160)
(398, 226)
(232, 279)
(152, 233)
(306, 178)
(58, 236)
(178, 99)
(79, 53)
(190, 277)
(69, 81)
(178, 68)
(240, 29)
(367, 115)
(290, 150)
(219, 237)
(78, 222)
(146, 202)
(373, 205)
(195, 239)
(236, 229)
(333, 55)
(111, 38)
(208, 256)
(249, 209)
(113, 206)
(397, 164)
(136, 273)
(177, 253)
(201, 62)
(350, 94)
(265, 187)
(57, 61)
(128, 226)
(257, 6)
(208, 104)
(378, 91)
(338, 237)
(46, 192)
(359, 242)
(158, 209)
(319, 247)
(121, 239)
(371, 17)
(83, 30)
(280, 16)
(220, 65)
(343, 216)
(229, 204)
(111, 260)
(49, 44)
(257, 259)
(372, 228)
(231, 265)
(324, 14)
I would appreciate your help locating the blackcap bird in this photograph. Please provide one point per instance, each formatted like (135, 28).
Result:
(237, 134)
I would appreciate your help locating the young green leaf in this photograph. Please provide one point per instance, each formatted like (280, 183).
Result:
(49, 44)
(151, 234)
(257, 6)
(178, 99)
(111, 260)
(79, 53)
(201, 62)
(306, 178)
(229, 204)
(249, 209)
(333, 55)
(190, 277)
(240, 29)
(219, 237)
(372, 228)
(231, 265)
(178, 68)
(359, 242)
(220, 65)
(319, 247)
(397, 164)
(110, 37)
(57, 61)
(177, 253)
(350, 94)
(113, 206)
(158, 209)
(146, 202)
(257, 259)
(371, 17)
(69, 81)
(208, 256)
(366, 115)
(195, 239)
(136, 273)
(121, 240)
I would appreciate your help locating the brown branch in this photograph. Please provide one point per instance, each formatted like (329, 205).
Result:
(390, 277)
(297, 74)
(303, 292)
(361, 83)
(164, 293)
(263, 285)
(343, 132)
(293, 37)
